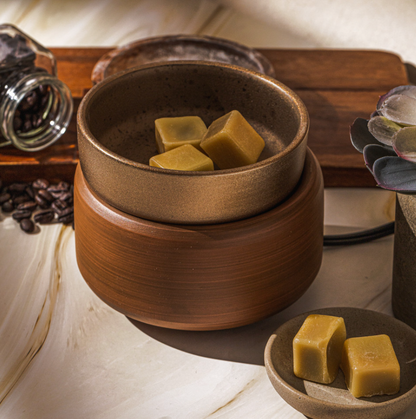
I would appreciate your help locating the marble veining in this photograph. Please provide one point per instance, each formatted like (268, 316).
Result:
(31, 311)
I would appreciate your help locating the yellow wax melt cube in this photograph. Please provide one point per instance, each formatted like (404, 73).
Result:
(232, 142)
(177, 131)
(317, 348)
(185, 157)
(370, 366)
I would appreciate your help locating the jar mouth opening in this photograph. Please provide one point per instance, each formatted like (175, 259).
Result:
(36, 111)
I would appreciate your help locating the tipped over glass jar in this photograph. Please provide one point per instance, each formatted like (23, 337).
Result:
(35, 106)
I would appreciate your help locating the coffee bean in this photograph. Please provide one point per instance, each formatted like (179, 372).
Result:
(20, 214)
(17, 187)
(27, 126)
(45, 195)
(4, 197)
(30, 192)
(36, 120)
(20, 199)
(56, 195)
(27, 225)
(40, 184)
(66, 219)
(67, 197)
(7, 206)
(44, 217)
(27, 206)
(66, 211)
(28, 101)
(58, 206)
(64, 186)
(17, 123)
(43, 203)
(60, 187)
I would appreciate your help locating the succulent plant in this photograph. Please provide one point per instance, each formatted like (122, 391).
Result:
(388, 140)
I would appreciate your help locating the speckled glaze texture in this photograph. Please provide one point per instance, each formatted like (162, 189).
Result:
(180, 47)
(201, 277)
(320, 401)
(116, 140)
(404, 267)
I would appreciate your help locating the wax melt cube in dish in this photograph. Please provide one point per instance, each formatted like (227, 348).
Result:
(178, 131)
(317, 348)
(232, 142)
(370, 366)
(185, 157)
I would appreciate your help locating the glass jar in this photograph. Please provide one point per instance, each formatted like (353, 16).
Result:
(35, 106)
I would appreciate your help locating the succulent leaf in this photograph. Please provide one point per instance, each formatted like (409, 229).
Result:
(395, 174)
(373, 152)
(400, 109)
(404, 143)
(407, 90)
(383, 129)
(360, 135)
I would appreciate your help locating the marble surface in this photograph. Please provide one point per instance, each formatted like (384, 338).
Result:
(64, 353)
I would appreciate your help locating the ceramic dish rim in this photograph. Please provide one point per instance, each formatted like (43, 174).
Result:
(297, 140)
(317, 402)
(98, 72)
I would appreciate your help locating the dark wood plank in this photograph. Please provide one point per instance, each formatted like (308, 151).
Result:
(75, 66)
(337, 69)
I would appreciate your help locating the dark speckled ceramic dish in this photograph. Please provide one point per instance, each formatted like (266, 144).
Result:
(321, 401)
(180, 47)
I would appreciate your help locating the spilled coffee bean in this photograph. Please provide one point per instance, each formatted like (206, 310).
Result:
(28, 205)
(43, 193)
(4, 197)
(20, 214)
(39, 202)
(40, 184)
(7, 207)
(27, 225)
(44, 217)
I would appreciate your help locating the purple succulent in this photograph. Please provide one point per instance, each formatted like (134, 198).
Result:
(388, 140)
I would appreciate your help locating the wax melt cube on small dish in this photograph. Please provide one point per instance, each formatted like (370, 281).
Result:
(185, 157)
(177, 131)
(317, 348)
(370, 366)
(231, 141)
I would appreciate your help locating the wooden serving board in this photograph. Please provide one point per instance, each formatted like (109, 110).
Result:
(337, 86)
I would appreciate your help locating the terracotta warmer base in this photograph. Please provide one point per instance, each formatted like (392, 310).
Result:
(204, 277)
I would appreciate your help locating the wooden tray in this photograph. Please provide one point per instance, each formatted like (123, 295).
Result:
(336, 85)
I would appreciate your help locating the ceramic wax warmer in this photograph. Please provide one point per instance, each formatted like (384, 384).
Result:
(195, 250)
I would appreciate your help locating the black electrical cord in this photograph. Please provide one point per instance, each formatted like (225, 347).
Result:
(359, 237)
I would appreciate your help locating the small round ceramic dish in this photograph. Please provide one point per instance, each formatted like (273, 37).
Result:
(180, 47)
(334, 400)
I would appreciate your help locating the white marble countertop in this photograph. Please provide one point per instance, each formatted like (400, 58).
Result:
(65, 354)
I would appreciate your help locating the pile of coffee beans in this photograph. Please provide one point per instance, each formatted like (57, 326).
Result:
(30, 113)
(39, 202)
(17, 60)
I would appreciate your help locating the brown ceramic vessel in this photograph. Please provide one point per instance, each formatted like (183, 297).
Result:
(201, 277)
(116, 140)
(321, 401)
(180, 47)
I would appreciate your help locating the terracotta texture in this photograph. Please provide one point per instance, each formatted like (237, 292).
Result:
(116, 138)
(404, 267)
(180, 47)
(320, 401)
(201, 277)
